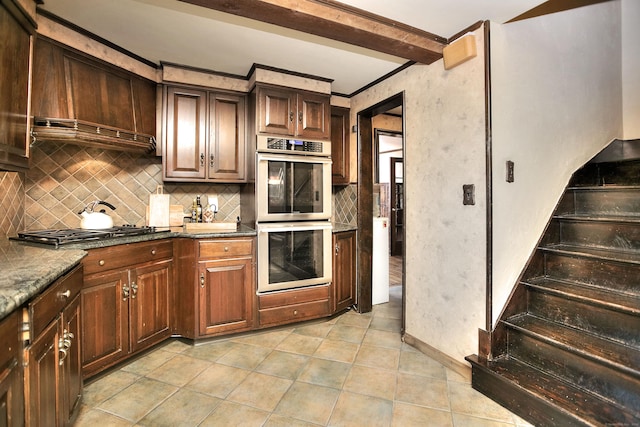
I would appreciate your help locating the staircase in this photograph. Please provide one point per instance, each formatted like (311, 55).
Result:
(566, 351)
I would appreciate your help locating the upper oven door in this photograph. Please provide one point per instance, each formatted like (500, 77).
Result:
(292, 188)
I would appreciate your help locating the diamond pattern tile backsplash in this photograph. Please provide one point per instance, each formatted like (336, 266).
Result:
(11, 203)
(345, 206)
(64, 178)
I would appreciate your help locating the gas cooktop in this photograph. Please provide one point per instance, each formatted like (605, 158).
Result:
(73, 235)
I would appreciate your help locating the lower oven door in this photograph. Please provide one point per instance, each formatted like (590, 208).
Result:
(293, 255)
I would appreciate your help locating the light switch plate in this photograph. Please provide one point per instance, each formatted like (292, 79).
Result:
(468, 194)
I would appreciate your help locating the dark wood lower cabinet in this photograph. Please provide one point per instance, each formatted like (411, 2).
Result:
(11, 381)
(125, 302)
(52, 376)
(344, 270)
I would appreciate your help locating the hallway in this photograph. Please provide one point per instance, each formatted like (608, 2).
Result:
(352, 370)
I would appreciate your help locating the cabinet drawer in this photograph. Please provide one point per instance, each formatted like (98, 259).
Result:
(122, 256)
(44, 308)
(225, 248)
(294, 313)
(290, 297)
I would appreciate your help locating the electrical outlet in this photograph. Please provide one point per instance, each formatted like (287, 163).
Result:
(468, 194)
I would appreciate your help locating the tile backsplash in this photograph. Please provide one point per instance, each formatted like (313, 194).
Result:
(64, 178)
(11, 203)
(345, 206)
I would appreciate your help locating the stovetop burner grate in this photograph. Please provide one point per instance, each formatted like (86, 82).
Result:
(72, 235)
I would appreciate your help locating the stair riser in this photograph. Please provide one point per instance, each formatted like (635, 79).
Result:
(620, 236)
(519, 401)
(591, 375)
(602, 202)
(615, 325)
(618, 276)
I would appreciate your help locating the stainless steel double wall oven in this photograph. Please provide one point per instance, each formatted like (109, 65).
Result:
(293, 212)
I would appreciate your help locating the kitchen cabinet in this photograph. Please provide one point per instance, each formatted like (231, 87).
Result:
(290, 112)
(204, 138)
(294, 305)
(340, 148)
(222, 293)
(125, 301)
(52, 377)
(17, 31)
(11, 381)
(68, 84)
(344, 270)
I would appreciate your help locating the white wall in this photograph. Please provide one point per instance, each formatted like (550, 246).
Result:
(445, 241)
(631, 68)
(556, 101)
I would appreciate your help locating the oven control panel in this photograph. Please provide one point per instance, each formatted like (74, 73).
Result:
(275, 144)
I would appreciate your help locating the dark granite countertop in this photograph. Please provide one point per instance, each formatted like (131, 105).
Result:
(26, 270)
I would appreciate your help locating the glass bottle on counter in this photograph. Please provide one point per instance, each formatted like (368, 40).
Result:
(194, 211)
(198, 210)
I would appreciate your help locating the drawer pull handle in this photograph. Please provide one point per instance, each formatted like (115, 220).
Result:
(211, 160)
(202, 280)
(201, 159)
(63, 351)
(101, 262)
(125, 292)
(65, 294)
(153, 251)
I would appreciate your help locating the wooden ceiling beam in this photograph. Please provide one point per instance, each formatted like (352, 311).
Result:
(338, 21)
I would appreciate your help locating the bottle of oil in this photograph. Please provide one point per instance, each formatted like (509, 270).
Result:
(198, 209)
(194, 211)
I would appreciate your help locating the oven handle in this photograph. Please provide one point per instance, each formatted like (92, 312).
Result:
(277, 157)
(293, 227)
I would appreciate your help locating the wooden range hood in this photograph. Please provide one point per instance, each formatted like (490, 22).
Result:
(338, 21)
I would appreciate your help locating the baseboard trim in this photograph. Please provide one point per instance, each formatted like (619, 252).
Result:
(460, 368)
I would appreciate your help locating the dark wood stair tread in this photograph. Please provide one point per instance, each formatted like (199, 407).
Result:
(572, 401)
(624, 256)
(605, 351)
(579, 217)
(610, 187)
(592, 294)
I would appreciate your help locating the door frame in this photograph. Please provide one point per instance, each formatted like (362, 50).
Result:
(365, 200)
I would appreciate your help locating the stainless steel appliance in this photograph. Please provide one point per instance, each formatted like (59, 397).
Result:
(293, 254)
(292, 212)
(57, 237)
(293, 188)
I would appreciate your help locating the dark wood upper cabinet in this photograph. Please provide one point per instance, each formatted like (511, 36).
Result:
(205, 136)
(291, 112)
(71, 85)
(340, 157)
(16, 33)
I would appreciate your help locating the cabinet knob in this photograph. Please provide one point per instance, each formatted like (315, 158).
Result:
(337, 249)
(202, 280)
(65, 294)
(101, 262)
(295, 312)
(226, 248)
(153, 251)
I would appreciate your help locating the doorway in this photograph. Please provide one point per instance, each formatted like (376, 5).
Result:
(367, 174)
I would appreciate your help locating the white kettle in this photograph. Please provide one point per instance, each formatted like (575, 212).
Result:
(96, 220)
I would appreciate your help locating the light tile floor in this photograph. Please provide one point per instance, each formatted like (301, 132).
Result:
(352, 370)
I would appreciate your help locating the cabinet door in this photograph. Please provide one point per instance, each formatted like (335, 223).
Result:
(15, 56)
(276, 113)
(41, 378)
(344, 269)
(105, 325)
(227, 142)
(225, 296)
(11, 382)
(313, 116)
(149, 304)
(71, 363)
(340, 155)
(186, 134)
